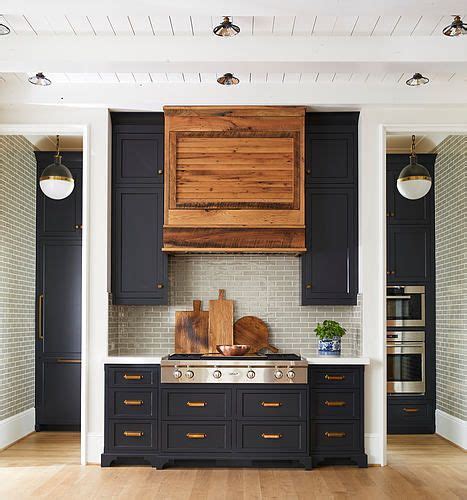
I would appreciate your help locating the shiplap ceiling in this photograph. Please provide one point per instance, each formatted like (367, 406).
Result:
(137, 25)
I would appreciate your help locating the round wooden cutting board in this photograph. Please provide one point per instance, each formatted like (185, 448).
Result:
(254, 332)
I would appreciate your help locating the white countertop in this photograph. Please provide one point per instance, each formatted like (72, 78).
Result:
(312, 358)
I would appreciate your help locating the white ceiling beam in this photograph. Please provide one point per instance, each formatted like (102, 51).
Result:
(152, 96)
(298, 54)
(241, 7)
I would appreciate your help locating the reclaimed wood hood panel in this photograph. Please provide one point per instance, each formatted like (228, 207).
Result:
(236, 168)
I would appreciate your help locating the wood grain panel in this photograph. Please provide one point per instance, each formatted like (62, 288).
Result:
(220, 322)
(191, 330)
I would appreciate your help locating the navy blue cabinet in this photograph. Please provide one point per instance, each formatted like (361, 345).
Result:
(330, 265)
(58, 302)
(139, 267)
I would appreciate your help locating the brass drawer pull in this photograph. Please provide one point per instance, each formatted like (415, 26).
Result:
(271, 436)
(196, 435)
(133, 402)
(335, 403)
(334, 377)
(64, 360)
(271, 404)
(126, 376)
(335, 434)
(196, 404)
(411, 410)
(134, 434)
(159, 285)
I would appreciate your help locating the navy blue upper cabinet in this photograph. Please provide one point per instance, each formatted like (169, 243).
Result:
(400, 210)
(139, 267)
(330, 265)
(61, 218)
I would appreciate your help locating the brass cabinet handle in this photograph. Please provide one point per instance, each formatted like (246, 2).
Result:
(334, 377)
(160, 285)
(335, 403)
(65, 360)
(160, 171)
(40, 306)
(271, 404)
(411, 410)
(127, 376)
(133, 434)
(133, 402)
(271, 436)
(335, 434)
(196, 404)
(196, 435)
(78, 226)
(308, 285)
(308, 171)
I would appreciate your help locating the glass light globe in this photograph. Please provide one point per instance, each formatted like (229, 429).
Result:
(414, 181)
(56, 181)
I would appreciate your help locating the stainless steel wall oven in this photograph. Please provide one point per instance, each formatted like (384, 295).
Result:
(405, 306)
(405, 362)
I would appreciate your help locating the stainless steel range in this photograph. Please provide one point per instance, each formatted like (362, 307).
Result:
(213, 369)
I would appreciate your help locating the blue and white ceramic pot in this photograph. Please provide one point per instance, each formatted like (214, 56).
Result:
(330, 346)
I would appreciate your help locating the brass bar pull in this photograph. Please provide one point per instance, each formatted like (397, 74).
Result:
(272, 404)
(196, 435)
(133, 434)
(335, 434)
(63, 360)
(334, 377)
(335, 403)
(40, 306)
(196, 404)
(411, 410)
(271, 436)
(126, 376)
(133, 402)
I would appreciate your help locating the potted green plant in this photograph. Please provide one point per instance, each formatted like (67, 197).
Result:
(329, 334)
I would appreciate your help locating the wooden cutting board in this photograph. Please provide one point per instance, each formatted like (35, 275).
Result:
(191, 330)
(220, 322)
(254, 332)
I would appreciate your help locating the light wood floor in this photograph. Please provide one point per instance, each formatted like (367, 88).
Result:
(46, 465)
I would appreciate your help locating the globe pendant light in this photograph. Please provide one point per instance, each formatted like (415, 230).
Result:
(456, 28)
(56, 181)
(414, 181)
(40, 79)
(228, 79)
(226, 28)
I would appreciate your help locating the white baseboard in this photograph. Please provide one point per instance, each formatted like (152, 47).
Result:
(94, 448)
(372, 448)
(451, 428)
(16, 427)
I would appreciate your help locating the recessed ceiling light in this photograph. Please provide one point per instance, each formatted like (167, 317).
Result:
(456, 28)
(39, 79)
(4, 29)
(228, 79)
(226, 28)
(417, 80)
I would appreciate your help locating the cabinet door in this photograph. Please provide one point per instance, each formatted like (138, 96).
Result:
(58, 392)
(57, 218)
(139, 266)
(409, 257)
(330, 158)
(59, 297)
(329, 268)
(400, 210)
(139, 158)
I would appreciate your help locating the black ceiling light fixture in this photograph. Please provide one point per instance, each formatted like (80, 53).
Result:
(4, 29)
(417, 80)
(456, 28)
(40, 79)
(226, 28)
(414, 181)
(228, 79)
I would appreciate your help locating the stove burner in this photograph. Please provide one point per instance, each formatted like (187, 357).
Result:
(269, 357)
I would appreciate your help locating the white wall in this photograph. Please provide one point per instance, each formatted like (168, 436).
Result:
(372, 244)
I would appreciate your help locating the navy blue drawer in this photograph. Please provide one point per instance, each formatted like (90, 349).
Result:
(196, 436)
(137, 403)
(270, 437)
(131, 436)
(272, 404)
(132, 376)
(335, 404)
(181, 404)
(335, 376)
(336, 436)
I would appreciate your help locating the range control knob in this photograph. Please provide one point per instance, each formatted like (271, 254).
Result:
(250, 374)
(278, 374)
(291, 374)
(189, 374)
(177, 373)
(216, 374)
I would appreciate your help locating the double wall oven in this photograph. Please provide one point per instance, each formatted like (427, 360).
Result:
(405, 339)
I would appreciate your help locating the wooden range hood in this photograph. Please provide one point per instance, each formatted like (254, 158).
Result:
(234, 179)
